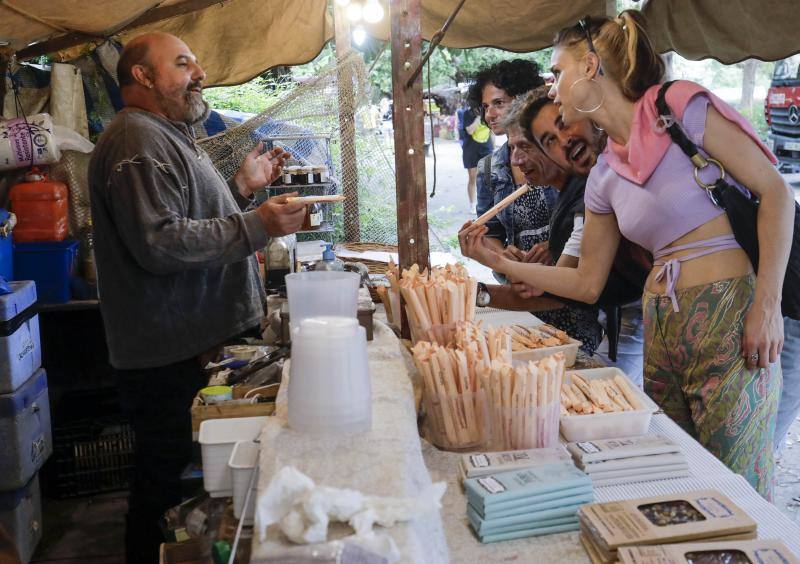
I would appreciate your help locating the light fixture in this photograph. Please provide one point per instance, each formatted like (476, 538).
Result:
(359, 35)
(343, 2)
(373, 11)
(354, 12)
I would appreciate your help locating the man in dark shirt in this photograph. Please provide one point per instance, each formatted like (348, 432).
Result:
(175, 258)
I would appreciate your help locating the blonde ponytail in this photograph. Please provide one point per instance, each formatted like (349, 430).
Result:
(643, 66)
(625, 51)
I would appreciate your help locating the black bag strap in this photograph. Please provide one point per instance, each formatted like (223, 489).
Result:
(667, 122)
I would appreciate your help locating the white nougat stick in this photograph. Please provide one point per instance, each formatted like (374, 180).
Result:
(501, 205)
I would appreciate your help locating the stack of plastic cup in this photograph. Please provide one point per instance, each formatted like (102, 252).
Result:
(329, 384)
(315, 294)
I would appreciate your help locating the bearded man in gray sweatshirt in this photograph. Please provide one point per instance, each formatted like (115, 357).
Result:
(175, 258)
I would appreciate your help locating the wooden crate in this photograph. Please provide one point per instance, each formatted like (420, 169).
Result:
(202, 412)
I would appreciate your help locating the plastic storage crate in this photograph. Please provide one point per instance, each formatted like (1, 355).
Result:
(25, 436)
(50, 265)
(91, 456)
(20, 350)
(21, 516)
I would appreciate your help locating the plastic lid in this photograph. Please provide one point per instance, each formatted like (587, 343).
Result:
(327, 254)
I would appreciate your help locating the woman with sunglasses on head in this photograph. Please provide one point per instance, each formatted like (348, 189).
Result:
(712, 330)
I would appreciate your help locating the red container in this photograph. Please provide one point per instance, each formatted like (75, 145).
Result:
(41, 209)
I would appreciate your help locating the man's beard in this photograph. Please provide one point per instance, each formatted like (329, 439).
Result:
(192, 110)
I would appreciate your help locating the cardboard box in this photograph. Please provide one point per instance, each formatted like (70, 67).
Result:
(691, 516)
(201, 412)
(188, 552)
(764, 551)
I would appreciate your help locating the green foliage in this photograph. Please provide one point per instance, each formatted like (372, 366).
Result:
(253, 97)
(755, 115)
(447, 66)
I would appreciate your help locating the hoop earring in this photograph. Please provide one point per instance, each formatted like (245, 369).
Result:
(602, 96)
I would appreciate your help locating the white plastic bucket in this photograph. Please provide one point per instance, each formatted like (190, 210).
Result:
(217, 439)
(242, 462)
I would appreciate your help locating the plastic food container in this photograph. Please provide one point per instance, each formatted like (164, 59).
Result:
(578, 428)
(217, 439)
(570, 351)
(242, 462)
(41, 208)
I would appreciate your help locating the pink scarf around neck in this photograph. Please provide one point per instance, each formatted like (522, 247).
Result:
(637, 160)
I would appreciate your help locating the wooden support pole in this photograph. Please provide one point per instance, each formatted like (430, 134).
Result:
(409, 135)
(409, 139)
(347, 126)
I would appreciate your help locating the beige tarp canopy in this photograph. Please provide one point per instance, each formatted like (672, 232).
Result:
(238, 39)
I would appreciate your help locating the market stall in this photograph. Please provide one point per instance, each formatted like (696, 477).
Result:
(389, 459)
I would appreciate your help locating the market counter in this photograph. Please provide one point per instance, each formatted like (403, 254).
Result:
(391, 460)
(385, 461)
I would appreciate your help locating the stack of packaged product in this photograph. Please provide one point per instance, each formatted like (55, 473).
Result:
(611, 462)
(700, 516)
(540, 498)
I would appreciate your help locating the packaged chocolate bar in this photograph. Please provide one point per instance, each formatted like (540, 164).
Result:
(498, 490)
(485, 463)
(625, 447)
(700, 515)
(735, 552)
(648, 461)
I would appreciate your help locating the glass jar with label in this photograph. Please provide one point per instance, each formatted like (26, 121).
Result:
(313, 219)
(317, 171)
(306, 175)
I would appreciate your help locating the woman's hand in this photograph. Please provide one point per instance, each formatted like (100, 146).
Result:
(473, 245)
(762, 341)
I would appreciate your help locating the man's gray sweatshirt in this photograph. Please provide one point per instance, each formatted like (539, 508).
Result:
(174, 253)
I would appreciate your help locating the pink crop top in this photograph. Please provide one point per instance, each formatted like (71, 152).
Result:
(670, 203)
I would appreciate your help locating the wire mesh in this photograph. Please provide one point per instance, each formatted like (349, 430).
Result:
(306, 122)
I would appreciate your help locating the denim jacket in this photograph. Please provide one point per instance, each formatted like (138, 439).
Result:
(502, 184)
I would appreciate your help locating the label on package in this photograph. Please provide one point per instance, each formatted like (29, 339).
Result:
(491, 485)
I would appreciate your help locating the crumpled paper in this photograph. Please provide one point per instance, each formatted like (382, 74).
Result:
(303, 509)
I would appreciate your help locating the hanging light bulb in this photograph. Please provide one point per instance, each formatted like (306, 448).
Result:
(359, 35)
(373, 11)
(354, 12)
(343, 2)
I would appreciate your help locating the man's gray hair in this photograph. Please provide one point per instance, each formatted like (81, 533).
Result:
(511, 119)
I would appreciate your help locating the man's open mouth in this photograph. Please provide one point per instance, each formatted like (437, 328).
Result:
(576, 150)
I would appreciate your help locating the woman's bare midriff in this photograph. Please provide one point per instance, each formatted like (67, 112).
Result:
(706, 269)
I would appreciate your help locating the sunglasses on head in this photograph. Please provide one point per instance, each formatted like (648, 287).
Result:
(584, 24)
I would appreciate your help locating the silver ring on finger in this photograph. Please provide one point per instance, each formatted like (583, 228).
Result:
(754, 357)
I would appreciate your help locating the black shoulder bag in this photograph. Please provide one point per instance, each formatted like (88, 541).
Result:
(741, 208)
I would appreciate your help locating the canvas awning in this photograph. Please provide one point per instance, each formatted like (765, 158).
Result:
(238, 39)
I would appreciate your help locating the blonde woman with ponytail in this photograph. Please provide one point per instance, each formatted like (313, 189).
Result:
(713, 332)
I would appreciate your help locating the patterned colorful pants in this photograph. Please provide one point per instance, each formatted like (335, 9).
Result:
(694, 370)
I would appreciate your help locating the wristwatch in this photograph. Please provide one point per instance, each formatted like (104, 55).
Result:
(483, 298)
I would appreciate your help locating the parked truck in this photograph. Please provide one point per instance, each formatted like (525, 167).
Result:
(782, 110)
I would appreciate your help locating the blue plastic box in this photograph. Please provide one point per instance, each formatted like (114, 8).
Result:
(6, 248)
(50, 265)
(20, 350)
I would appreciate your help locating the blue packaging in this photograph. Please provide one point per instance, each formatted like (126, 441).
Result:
(50, 265)
(6, 246)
